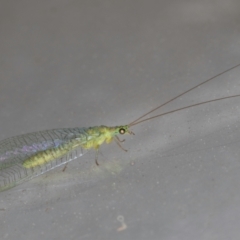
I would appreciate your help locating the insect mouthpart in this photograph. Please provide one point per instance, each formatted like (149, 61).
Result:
(131, 133)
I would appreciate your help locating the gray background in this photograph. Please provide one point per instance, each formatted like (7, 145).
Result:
(86, 63)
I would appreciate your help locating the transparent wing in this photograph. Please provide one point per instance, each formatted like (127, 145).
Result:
(15, 150)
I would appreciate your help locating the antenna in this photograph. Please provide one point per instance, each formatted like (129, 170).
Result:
(153, 110)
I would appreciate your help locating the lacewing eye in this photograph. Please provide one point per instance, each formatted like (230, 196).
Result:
(122, 131)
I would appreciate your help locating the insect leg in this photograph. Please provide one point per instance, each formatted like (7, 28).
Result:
(65, 166)
(120, 139)
(117, 140)
(96, 156)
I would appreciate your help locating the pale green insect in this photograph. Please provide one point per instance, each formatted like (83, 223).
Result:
(26, 156)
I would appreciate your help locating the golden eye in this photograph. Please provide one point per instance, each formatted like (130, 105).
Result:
(122, 131)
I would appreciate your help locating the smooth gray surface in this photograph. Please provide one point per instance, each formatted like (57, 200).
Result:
(86, 63)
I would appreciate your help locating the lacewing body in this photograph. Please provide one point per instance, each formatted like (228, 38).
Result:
(26, 156)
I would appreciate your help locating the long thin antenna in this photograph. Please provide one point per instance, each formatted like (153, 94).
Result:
(179, 109)
(136, 120)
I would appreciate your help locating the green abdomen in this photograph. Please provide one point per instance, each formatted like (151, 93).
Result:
(46, 156)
